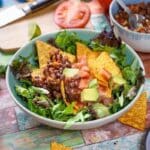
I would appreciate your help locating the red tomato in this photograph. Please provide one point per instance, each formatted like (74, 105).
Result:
(85, 68)
(105, 4)
(72, 14)
(106, 75)
(84, 74)
(83, 83)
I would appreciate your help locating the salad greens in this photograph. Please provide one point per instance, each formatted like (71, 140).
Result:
(131, 73)
(40, 101)
(79, 117)
(67, 41)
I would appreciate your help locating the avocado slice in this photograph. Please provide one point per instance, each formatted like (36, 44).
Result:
(70, 72)
(93, 83)
(89, 95)
(100, 110)
(118, 80)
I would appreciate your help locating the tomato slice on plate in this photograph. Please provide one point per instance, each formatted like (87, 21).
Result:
(72, 14)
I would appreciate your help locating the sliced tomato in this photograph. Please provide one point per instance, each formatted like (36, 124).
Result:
(72, 14)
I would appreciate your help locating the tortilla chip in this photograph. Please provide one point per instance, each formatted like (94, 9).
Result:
(83, 50)
(104, 61)
(136, 116)
(108, 92)
(57, 146)
(70, 57)
(62, 88)
(44, 51)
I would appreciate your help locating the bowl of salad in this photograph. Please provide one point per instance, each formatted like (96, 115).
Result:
(139, 37)
(75, 79)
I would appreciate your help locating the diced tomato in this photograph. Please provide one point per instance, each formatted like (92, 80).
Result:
(79, 105)
(81, 63)
(104, 96)
(84, 74)
(85, 68)
(83, 60)
(106, 75)
(104, 91)
(83, 83)
(72, 14)
(77, 65)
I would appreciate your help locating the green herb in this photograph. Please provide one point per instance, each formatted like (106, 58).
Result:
(39, 103)
(31, 91)
(26, 93)
(97, 46)
(80, 117)
(121, 100)
(22, 67)
(62, 112)
(67, 41)
(25, 83)
(118, 55)
(131, 72)
(115, 107)
(38, 109)
(130, 75)
(40, 90)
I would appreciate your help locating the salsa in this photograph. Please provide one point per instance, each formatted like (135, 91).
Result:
(140, 8)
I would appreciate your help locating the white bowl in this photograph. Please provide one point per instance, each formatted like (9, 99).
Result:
(139, 41)
(85, 35)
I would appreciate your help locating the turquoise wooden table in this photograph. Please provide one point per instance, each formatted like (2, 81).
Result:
(18, 131)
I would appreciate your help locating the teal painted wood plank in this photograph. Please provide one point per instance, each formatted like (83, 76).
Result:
(132, 142)
(8, 122)
(25, 121)
(40, 138)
